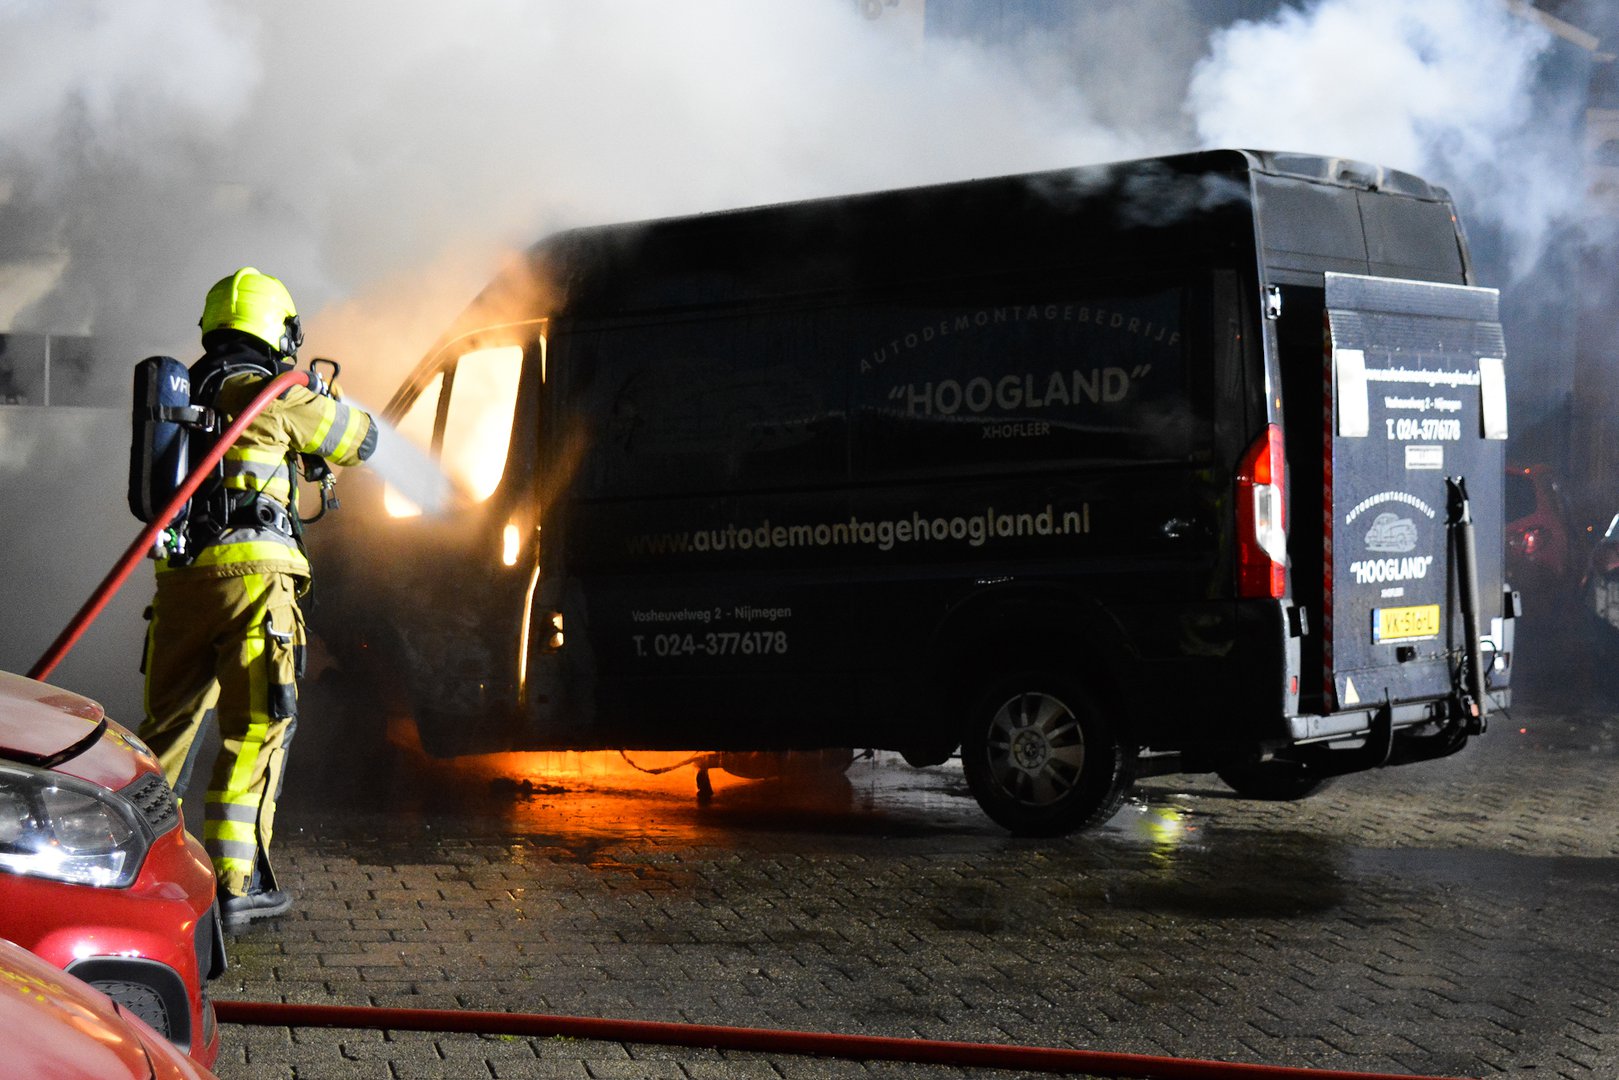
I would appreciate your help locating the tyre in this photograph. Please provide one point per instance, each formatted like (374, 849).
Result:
(1273, 781)
(1042, 759)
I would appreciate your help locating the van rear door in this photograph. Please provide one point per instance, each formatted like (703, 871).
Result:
(1416, 394)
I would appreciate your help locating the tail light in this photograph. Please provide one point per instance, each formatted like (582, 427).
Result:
(1262, 519)
(1525, 542)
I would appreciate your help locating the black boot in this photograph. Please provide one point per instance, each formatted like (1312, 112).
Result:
(238, 911)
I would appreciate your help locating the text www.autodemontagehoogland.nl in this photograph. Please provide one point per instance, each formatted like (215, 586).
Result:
(884, 534)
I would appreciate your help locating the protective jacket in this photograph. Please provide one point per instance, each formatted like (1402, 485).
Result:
(244, 522)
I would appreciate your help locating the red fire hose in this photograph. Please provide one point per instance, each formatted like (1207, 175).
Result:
(758, 1040)
(764, 1040)
(143, 543)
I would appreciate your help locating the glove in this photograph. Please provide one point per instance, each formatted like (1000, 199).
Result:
(315, 468)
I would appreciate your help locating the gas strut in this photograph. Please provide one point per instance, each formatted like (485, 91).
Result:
(1460, 513)
(148, 538)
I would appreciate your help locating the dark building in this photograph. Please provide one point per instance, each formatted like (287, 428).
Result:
(49, 369)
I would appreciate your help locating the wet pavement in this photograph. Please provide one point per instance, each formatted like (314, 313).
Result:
(1454, 918)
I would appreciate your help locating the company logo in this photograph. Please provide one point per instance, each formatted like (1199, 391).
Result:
(1391, 534)
(1383, 571)
(1402, 497)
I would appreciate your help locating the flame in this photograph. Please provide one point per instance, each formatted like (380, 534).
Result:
(479, 426)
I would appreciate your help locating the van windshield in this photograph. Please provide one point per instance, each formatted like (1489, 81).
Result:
(463, 416)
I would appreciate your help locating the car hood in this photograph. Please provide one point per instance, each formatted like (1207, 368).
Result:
(39, 722)
(57, 1026)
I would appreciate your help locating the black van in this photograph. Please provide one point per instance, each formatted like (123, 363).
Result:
(1168, 465)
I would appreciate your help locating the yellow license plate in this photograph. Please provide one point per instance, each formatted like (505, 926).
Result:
(1405, 623)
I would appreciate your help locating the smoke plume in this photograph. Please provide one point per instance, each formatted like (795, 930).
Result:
(1446, 89)
(381, 156)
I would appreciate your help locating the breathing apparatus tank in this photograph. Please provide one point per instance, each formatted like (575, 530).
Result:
(162, 422)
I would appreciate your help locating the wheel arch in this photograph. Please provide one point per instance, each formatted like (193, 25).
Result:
(1009, 626)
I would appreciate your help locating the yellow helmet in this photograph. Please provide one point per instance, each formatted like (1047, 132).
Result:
(255, 304)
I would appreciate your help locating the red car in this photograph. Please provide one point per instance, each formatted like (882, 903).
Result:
(56, 1026)
(1539, 556)
(97, 873)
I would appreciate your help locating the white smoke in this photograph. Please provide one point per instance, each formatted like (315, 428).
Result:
(382, 155)
(1443, 88)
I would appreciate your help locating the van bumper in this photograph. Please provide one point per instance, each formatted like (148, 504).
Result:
(1353, 724)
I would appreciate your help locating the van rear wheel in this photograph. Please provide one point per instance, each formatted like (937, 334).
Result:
(1042, 759)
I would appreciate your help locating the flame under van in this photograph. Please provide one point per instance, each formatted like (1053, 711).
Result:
(1190, 464)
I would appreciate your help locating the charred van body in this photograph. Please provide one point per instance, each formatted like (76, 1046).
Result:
(1189, 464)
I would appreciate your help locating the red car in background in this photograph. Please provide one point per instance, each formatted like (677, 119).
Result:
(1540, 557)
(58, 1027)
(97, 873)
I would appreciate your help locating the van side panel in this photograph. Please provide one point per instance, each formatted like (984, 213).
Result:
(807, 500)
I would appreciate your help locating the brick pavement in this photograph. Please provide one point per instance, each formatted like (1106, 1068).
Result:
(1457, 917)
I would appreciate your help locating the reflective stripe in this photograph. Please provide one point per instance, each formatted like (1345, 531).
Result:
(253, 742)
(349, 426)
(245, 813)
(256, 455)
(258, 469)
(264, 470)
(271, 549)
(278, 488)
(226, 849)
(227, 866)
(231, 832)
(232, 798)
(328, 416)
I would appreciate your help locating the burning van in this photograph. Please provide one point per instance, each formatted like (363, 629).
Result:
(1191, 464)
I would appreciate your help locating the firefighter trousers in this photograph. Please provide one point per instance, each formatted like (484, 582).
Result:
(234, 645)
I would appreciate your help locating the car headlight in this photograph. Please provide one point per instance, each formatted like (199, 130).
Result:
(67, 829)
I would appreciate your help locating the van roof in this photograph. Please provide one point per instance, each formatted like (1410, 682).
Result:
(1339, 171)
(1115, 217)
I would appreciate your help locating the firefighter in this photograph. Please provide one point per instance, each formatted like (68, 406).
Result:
(226, 631)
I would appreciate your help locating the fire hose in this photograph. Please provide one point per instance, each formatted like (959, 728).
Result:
(757, 1040)
(766, 1040)
(144, 542)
